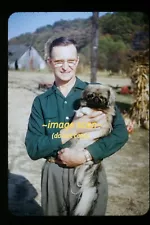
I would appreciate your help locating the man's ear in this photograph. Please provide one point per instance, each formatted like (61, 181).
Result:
(49, 60)
(49, 63)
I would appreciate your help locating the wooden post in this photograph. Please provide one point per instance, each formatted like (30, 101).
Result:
(94, 47)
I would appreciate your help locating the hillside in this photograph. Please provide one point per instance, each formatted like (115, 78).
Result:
(79, 29)
(120, 33)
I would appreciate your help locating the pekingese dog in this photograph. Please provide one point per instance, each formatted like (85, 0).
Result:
(95, 97)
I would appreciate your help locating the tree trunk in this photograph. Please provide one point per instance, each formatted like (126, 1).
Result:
(94, 47)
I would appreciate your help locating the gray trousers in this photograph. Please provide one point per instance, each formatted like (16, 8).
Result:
(59, 191)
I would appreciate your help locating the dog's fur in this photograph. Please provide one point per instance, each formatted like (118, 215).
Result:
(95, 97)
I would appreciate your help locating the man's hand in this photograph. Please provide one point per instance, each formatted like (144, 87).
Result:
(71, 158)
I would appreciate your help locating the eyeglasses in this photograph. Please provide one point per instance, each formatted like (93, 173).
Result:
(59, 63)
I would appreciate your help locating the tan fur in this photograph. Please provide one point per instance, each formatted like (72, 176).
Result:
(86, 174)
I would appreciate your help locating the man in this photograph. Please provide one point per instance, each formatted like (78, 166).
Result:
(55, 106)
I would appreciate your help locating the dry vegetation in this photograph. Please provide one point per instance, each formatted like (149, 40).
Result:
(127, 170)
(139, 74)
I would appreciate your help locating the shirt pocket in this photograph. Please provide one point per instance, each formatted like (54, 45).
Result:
(53, 125)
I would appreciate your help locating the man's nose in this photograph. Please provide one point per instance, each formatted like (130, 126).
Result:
(65, 65)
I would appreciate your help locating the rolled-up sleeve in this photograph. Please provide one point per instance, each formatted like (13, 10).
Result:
(110, 144)
(38, 144)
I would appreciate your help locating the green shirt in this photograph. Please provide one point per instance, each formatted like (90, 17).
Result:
(52, 107)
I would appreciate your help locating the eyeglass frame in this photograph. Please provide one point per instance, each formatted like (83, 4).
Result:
(61, 64)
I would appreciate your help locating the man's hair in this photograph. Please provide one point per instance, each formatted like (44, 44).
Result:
(61, 41)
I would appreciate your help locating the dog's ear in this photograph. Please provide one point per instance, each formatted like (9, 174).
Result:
(82, 98)
(82, 94)
(111, 97)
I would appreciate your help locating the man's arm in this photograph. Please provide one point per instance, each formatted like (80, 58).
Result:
(38, 144)
(110, 144)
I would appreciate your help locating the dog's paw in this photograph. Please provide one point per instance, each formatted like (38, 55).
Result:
(86, 110)
(78, 113)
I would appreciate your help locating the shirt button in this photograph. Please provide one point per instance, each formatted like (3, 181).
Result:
(67, 118)
(65, 102)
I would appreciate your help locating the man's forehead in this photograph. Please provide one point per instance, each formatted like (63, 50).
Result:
(64, 51)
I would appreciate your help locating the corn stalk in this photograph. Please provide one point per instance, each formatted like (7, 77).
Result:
(139, 74)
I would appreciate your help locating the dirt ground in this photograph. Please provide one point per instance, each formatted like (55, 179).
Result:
(127, 170)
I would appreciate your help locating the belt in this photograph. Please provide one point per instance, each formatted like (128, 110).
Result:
(51, 159)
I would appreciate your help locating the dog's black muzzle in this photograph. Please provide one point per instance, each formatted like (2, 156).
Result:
(96, 102)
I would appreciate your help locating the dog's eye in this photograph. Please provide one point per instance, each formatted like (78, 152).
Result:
(90, 95)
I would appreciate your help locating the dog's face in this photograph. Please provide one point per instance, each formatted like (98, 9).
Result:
(98, 96)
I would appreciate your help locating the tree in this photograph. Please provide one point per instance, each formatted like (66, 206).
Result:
(94, 47)
(111, 54)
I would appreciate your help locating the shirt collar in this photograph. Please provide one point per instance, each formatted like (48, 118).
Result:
(79, 84)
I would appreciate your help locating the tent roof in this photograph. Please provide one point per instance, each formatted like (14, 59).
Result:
(16, 51)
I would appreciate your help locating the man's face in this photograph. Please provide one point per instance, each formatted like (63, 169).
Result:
(64, 61)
